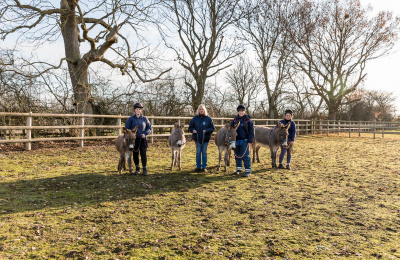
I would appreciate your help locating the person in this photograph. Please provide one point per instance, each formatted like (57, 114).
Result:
(202, 127)
(244, 138)
(144, 129)
(291, 137)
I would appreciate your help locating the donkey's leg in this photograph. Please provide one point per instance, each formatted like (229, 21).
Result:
(121, 163)
(129, 159)
(254, 146)
(219, 157)
(273, 157)
(227, 157)
(179, 159)
(257, 151)
(172, 159)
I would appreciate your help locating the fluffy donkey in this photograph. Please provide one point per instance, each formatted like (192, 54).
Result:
(125, 144)
(225, 140)
(177, 142)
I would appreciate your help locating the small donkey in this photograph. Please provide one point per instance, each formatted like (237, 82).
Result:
(177, 142)
(125, 144)
(225, 140)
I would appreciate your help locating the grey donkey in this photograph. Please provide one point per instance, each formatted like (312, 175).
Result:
(271, 137)
(225, 140)
(125, 144)
(177, 142)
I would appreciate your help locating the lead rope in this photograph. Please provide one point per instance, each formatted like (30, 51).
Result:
(247, 147)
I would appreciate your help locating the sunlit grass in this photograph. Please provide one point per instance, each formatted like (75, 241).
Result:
(340, 200)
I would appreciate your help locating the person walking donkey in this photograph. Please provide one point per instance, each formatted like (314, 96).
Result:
(202, 127)
(144, 129)
(244, 139)
(291, 137)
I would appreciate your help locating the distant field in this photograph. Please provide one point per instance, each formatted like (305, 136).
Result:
(341, 200)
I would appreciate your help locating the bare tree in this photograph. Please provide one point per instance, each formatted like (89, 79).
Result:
(335, 40)
(245, 81)
(202, 28)
(99, 24)
(264, 29)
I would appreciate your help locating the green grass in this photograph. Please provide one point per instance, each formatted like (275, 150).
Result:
(341, 200)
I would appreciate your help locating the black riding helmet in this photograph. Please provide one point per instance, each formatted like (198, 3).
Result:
(289, 112)
(241, 107)
(137, 105)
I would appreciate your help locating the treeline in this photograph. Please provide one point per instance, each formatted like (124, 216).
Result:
(269, 55)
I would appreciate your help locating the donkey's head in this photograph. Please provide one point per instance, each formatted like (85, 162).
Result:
(283, 134)
(178, 134)
(129, 137)
(230, 137)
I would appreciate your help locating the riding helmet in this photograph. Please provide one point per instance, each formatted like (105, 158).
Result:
(137, 105)
(289, 112)
(241, 107)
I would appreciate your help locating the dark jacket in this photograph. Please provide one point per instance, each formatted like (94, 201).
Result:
(291, 130)
(200, 123)
(245, 129)
(144, 126)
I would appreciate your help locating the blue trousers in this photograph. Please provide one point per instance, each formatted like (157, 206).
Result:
(282, 155)
(241, 147)
(201, 155)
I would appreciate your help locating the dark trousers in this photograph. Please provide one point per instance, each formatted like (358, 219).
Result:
(140, 147)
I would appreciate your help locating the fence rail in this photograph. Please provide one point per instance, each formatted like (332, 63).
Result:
(302, 127)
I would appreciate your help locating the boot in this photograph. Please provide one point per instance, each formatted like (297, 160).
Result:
(281, 166)
(145, 171)
(288, 167)
(137, 170)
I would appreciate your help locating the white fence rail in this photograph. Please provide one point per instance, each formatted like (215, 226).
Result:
(302, 127)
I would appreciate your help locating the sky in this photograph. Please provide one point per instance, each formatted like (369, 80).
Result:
(384, 73)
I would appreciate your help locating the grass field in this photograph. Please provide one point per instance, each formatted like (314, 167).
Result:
(340, 200)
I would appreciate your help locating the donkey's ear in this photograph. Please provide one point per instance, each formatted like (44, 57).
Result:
(135, 129)
(237, 125)
(176, 124)
(124, 129)
(287, 126)
(228, 125)
(280, 125)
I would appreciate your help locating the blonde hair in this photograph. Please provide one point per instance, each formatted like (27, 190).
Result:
(203, 107)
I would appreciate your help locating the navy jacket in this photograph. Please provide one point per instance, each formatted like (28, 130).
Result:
(242, 132)
(291, 130)
(144, 126)
(200, 123)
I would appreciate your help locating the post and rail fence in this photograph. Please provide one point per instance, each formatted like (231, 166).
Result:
(75, 128)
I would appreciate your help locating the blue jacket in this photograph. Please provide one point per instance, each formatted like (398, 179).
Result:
(245, 129)
(291, 130)
(144, 126)
(200, 123)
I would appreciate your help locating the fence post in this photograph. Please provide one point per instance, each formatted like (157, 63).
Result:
(374, 129)
(312, 127)
(349, 129)
(306, 127)
(359, 129)
(119, 122)
(152, 130)
(29, 131)
(338, 132)
(82, 130)
(383, 129)
(327, 128)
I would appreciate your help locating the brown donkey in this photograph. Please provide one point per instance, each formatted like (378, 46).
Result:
(225, 139)
(271, 137)
(177, 142)
(125, 144)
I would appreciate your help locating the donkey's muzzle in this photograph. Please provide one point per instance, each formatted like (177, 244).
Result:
(233, 145)
(179, 143)
(131, 146)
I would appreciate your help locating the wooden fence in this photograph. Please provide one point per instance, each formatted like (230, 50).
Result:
(302, 127)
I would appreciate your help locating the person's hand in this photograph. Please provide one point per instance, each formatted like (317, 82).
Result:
(204, 131)
(143, 136)
(291, 142)
(248, 144)
(194, 132)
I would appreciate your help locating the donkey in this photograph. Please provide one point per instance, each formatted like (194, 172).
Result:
(177, 142)
(225, 140)
(125, 144)
(272, 137)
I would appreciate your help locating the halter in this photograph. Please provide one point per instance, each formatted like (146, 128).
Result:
(190, 138)
(134, 146)
(283, 141)
(226, 140)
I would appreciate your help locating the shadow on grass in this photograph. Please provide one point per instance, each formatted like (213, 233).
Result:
(84, 189)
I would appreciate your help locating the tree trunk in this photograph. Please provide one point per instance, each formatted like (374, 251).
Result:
(77, 70)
